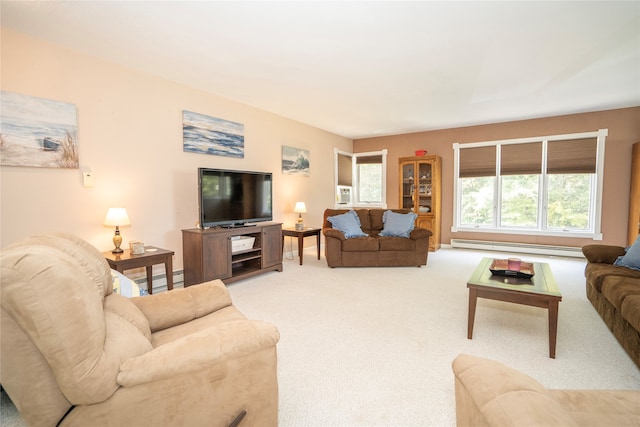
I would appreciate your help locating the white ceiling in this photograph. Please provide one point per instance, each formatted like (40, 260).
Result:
(361, 69)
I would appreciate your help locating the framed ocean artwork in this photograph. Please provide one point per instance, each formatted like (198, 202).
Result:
(37, 132)
(209, 135)
(295, 161)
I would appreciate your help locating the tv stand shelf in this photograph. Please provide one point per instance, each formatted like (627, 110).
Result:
(207, 253)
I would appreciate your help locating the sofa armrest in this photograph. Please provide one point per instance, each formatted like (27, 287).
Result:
(420, 233)
(179, 306)
(605, 254)
(199, 351)
(332, 232)
(489, 393)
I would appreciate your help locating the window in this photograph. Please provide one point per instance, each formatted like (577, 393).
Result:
(547, 185)
(363, 176)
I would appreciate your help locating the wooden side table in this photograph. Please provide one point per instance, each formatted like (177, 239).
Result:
(301, 234)
(150, 257)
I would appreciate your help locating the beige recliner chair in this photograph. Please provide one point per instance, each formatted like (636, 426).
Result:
(74, 352)
(490, 394)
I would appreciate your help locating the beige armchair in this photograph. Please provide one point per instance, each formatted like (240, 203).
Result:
(74, 352)
(489, 394)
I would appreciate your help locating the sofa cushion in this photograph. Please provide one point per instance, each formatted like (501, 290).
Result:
(361, 244)
(348, 223)
(375, 219)
(397, 244)
(596, 273)
(398, 225)
(632, 258)
(364, 219)
(616, 288)
(631, 311)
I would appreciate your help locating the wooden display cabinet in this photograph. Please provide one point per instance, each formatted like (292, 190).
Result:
(420, 191)
(207, 254)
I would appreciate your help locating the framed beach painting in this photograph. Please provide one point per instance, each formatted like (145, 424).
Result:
(209, 135)
(295, 161)
(37, 132)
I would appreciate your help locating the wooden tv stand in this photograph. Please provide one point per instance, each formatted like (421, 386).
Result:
(207, 254)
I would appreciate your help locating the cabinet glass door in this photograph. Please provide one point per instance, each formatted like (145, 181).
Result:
(408, 186)
(424, 187)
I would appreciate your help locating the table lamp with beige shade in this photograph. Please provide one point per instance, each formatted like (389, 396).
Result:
(117, 217)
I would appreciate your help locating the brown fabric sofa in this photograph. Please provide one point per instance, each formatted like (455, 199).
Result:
(490, 394)
(615, 293)
(74, 352)
(373, 250)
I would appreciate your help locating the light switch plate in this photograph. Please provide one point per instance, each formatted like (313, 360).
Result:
(87, 179)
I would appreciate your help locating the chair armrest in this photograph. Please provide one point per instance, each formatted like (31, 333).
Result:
(605, 254)
(491, 394)
(332, 232)
(179, 306)
(199, 351)
(420, 233)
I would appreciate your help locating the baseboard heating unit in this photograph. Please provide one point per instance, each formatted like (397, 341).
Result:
(525, 248)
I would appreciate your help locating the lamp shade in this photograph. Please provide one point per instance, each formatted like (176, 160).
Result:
(300, 208)
(117, 217)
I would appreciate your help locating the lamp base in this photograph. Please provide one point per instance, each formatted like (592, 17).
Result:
(117, 241)
(299, 226)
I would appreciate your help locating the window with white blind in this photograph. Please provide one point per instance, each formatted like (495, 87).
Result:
(548, 185)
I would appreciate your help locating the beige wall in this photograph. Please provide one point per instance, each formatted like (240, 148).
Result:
(130, 137)
(624, 130)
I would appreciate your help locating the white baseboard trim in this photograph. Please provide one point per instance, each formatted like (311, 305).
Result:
(566, 251)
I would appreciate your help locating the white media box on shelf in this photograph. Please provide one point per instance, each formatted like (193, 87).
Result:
(241, 243)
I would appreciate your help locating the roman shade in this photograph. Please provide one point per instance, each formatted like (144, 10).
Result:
(361, 160)
(568, 156)
(521, 159)
(477, 162)
(572, 156)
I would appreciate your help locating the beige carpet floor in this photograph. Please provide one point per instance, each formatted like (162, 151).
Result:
(374, 346)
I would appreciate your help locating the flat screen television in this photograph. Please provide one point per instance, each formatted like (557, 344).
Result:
(228, 198)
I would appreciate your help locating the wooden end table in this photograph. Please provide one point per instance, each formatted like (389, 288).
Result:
(301, 234)
(150, 257)
(539, 291)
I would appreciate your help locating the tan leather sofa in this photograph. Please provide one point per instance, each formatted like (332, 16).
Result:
(74, 352)
(373, 250)
(615, 293)
(489, 393)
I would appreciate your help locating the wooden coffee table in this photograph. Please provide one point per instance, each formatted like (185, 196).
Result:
(539, 291)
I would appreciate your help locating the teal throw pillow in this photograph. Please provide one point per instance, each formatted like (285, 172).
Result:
(632, 258)
(397, 224)
(348, 223)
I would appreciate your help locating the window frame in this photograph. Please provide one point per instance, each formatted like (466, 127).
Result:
(355, 184)
(595, 209)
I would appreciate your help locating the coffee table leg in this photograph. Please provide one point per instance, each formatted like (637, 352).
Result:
(473, 298)
(553, 328)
